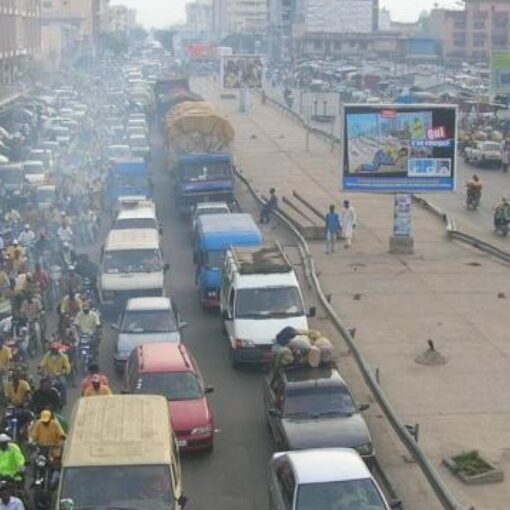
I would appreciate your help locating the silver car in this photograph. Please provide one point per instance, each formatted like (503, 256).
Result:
(145, 319)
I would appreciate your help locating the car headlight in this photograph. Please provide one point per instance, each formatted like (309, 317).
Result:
(243, 344)
(365, 449)
(108, 295)
(201, 430)
(40, 461)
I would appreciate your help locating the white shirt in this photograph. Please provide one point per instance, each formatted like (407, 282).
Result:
(14, 504)
(26, 237)
(65, 234)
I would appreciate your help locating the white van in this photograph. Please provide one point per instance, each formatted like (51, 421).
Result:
(137, 214)
(260, 296)
(131, 266)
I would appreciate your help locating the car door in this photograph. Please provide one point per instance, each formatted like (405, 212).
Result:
(282, 487)
(229, 316)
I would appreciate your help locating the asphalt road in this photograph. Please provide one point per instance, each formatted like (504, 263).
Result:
(233, 476)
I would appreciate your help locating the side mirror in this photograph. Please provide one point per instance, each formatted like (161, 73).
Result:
(182, 500)
(182, 325)
(115, 327)
(225, 315)
(209, 389)
(396, 504)
(166, 267)
(363, 407)
(160, 230)
(312, 311)
(274, 412)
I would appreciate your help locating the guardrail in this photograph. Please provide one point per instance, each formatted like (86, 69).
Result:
(440, 489)
(451, 229)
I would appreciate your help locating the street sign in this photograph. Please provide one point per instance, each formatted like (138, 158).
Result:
(241, 71)
(398, 148)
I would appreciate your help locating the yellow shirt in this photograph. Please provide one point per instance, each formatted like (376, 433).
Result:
(19, 396)
(76, 306)
(5, 359)
(55, 365)
(47, 434)
(102, 391)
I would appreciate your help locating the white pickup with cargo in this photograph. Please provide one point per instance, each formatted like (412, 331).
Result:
(260, 296)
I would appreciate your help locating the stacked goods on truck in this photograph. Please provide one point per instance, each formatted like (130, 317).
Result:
(170, 91)
(198, 143)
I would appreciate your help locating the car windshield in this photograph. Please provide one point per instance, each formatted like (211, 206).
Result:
(172, 385)
(148, 321)
(129, 223)
(118, 487)
(132, 261)
(11, 176)
(205, 172)
(492, 147)
(342, 495)
(215, 259)
(274, 302)
(319, 400)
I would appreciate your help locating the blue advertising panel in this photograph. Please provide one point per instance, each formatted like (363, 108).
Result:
(398, 148)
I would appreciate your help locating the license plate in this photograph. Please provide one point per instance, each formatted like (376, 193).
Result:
(182, 444)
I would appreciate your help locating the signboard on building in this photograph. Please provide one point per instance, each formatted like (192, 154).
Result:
(500, 71)
(398, 148)
(199, 51)
(241, 71)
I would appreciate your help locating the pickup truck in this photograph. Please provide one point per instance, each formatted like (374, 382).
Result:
(484, 154)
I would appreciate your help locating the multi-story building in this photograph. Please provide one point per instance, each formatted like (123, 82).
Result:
(240, 17)
(69, 28)
(473, 32)
(199, 16)
(121, 19)
(20, 36)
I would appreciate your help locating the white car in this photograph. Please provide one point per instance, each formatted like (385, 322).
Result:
(484, 153)
(326, 479)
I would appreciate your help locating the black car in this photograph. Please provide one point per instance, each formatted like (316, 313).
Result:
(313, 408)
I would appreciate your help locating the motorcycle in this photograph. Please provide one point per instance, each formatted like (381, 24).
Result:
(46, 474)
(34, 338)
(473, 200)
(16, 422)
(501, 226)
(85, 353)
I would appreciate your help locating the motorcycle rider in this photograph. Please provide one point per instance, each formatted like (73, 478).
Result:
(474, 188)
(96, 388)
(56, 364)
(93, 371)
(31, 311)
(18, 391)
(48, 433)
(502, 213)
(12, 460)
(45, 397)
(67, 255)
(88, 323)
(70, 282)
(15, 248)
(27, 237)
(65, 233)
(7, 500)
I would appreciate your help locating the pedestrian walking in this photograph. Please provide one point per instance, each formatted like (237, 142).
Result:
(348, 223)
(332, 229)
(269, 206)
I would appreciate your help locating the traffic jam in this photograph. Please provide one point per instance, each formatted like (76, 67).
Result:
(104, 393)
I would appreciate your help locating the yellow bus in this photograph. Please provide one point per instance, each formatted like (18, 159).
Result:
(121, 453)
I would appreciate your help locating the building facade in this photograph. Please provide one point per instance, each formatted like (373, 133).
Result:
(20, 36)
(69, 28)
(472, 33)
(120, 19)
(199, 16)
(240, 17)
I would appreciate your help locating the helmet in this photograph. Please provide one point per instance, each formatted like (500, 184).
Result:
(27, 226)
(4, 438)
(15, 242)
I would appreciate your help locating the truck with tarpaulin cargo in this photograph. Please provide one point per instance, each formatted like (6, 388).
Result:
(128, 177)
(198, 143)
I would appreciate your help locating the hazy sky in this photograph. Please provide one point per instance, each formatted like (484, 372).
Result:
(161, 13)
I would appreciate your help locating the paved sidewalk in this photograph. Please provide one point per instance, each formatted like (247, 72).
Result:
(445, 292)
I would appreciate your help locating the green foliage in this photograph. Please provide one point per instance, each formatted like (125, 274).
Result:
(471, 464)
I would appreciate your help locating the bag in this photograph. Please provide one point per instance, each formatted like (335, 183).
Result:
(326, 349)
(300, 343)
(314, 356)
(285, 336)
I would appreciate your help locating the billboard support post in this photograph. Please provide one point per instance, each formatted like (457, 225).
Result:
(402, 241)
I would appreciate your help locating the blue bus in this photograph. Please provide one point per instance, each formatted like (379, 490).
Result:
(216, 233)
(203, 177)
(128, 177)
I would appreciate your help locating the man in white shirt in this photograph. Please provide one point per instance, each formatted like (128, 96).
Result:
(7, 501)
(65, 234)
(26, 237)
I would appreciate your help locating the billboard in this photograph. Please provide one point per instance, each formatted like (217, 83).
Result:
(500, 71)
(398, 148)
(197, 51)
(241, 71)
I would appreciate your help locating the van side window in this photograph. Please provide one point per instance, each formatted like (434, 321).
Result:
(132, 371)
(231, 297)
(286, 484)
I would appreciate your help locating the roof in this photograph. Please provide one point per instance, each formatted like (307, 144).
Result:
(136, 212)
(266, 259)
(210, 205)
(258, 281)
(220, 231)
(149, 303)
(132, 239)
(327, 465)
(199, 156)
(304, 376)
(119, 430)
(164, 357)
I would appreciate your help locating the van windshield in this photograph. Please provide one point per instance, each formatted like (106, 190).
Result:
(132, 261)
(129, 223)
(268, 302)
(118, 487)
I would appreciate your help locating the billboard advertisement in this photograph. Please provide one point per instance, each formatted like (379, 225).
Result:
(241, 71)
(198, 51)
(500, 71)
(398, 148)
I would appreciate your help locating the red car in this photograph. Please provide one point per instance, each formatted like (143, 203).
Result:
(170, 370)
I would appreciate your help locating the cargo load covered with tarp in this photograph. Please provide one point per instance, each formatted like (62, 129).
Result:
(197, 127)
